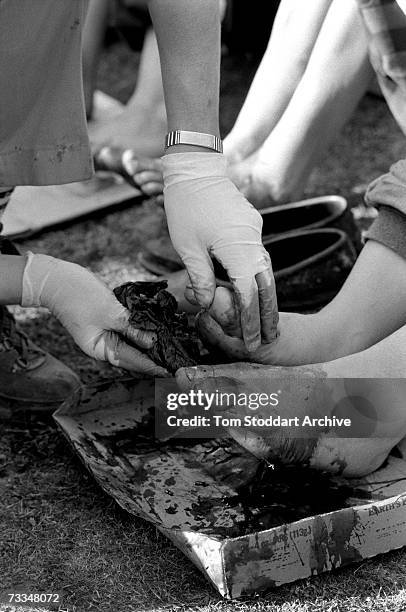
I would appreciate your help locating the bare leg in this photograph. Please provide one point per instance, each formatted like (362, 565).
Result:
(142, 125)
(93, 36)
(295, 30)
(337, 75)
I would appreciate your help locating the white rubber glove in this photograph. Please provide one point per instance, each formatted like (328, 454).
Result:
(89, 311)
(209, 218)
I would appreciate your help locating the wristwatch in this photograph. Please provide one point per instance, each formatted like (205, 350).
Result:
(208, 141)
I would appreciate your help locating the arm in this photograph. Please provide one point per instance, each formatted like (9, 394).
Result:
(207, 216)
(369, 308)
(89, 311)
(188, 33)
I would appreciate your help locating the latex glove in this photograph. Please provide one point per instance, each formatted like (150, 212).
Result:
(89, 311)
(209, 218)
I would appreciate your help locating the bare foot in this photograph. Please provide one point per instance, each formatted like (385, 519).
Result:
(240, 171)
(146, 173)
(367, 390)
(256, 180)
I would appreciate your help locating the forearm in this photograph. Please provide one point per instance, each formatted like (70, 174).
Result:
(188, 33)
(11, 279)
(371, 304)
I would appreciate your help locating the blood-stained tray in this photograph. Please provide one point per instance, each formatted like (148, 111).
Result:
(200, 494)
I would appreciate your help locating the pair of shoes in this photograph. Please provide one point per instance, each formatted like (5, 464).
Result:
(313, 245)
(30, 378)
(309, 267)
(160, 257)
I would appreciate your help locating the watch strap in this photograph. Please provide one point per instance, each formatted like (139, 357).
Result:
(208, 141)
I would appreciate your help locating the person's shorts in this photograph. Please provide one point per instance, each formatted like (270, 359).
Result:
(43, 132)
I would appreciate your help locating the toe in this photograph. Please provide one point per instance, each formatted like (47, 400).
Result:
(152, 189)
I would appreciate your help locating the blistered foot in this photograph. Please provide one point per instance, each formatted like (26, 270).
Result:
(335, 416)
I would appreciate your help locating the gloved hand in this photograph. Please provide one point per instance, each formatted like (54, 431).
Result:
(209, 218)
(89, 310)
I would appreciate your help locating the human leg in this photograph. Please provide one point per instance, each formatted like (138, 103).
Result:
(336, 76)
(295, 30)
(141, 126)
(93, 37)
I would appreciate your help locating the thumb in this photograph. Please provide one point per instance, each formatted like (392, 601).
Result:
(120, 323)
(202, 279)
(120, 354)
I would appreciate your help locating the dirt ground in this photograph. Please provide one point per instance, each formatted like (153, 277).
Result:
(58, 531)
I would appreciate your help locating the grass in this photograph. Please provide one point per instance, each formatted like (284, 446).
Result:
(58, 531)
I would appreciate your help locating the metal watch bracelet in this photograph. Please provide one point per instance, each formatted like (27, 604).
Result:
(208, 141)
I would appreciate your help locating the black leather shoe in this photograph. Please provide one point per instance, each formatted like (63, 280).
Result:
(326, 211)
(30, 378)
(159, 256)
(309, 267)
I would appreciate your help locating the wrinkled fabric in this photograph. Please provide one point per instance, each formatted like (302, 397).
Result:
(43, 132)
(388, 194)
(385, 23)
(389, 189)
(154, 309)
(390, 230)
